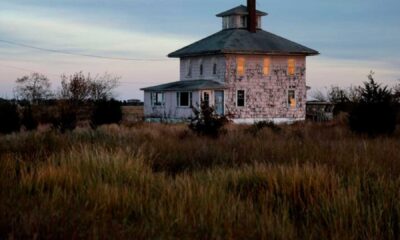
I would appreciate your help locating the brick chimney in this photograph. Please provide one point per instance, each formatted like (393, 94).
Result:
(252, 18)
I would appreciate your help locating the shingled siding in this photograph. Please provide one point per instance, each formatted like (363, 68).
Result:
(208, 64)
(266, 96)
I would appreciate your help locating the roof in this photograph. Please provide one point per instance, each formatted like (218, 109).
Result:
(239, 10)
(188, 85)
(241, 41)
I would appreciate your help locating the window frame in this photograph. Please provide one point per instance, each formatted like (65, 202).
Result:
(215, 66)
(289, 99)
(189, 68)
(241, 72)
(155, 101)
(244, 98)
(179, 99)
(291, 66)
(201, 69)
(267, 59)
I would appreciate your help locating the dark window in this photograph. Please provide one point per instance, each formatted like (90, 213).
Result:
(243, 21)
(240, 98)
(201, 69)
(157, 98)
(206, 98)
(184, 99)
(215, 69)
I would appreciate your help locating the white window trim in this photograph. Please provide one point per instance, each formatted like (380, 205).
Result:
(153, 103)
(237, 96)
(190, 100)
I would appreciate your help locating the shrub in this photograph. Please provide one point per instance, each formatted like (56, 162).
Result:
(28, 120)
(65, 118)
(258, 126)
(206, 122)
(106, 112)
(375, 114)
(9, 118)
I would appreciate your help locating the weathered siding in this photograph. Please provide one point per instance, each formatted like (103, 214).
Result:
(170, 108)
(267, 96)
(208, 64)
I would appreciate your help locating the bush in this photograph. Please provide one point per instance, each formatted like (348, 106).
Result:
(9, 118)
(65, 118)
(258, 126)
(375, 114)
(206, 122)
(28, 120)
(106, 112)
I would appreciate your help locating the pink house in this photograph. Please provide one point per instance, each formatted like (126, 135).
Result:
(243, 70)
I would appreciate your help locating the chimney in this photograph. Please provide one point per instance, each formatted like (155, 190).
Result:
(252, 18)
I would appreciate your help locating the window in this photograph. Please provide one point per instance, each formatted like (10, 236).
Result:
(184, 99)
(189, 68)
(240, 98)
(291, 98)
(240, 66)
(225, 23)
(206, 98)
(215, 69)
(258, 21)
(157, 98)
(266, 66)
(201, 69)
(232, 21)
(291, 67)
(243, 21)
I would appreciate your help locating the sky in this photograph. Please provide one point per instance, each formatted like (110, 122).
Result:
(353, 37)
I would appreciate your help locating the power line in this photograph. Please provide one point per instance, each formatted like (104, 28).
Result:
(82, 55)
(24, 69)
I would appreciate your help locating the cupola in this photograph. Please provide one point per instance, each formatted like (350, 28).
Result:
(242, 17)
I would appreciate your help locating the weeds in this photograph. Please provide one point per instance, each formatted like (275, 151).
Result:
(164, 182)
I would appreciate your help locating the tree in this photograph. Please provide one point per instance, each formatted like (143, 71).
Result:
(75, 87)
(33, 88)
(374, 114)
(79, 87)
(101, 87)
(9, 118)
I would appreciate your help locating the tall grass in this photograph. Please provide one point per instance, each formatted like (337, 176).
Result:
(307, 181)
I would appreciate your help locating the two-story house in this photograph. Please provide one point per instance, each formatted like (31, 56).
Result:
(243, 70)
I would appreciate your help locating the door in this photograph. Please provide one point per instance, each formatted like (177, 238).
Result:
(219, 102)
(206, 97)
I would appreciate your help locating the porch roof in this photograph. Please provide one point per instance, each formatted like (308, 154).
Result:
(189, 85)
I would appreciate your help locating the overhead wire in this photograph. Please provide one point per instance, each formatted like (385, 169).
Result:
(82, 54)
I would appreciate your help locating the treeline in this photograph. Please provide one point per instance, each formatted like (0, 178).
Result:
(80, 98)
(372, 108)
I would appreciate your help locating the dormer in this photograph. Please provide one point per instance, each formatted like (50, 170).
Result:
(242, 17)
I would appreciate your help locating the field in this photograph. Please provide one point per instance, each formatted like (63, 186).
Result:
(155, 181)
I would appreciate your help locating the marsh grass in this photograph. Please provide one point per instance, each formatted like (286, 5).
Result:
(306, 181)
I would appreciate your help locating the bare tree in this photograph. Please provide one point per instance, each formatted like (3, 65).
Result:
(75, 87)
(319, 95)
(79, 87)
(34, 87)
(102, 87)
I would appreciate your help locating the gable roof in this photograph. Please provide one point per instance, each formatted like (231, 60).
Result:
(188, 85)
(241, 41)
(239, 10)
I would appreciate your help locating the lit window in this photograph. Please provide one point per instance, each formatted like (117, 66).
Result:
(215, 69)
(201, 69)
(240, 66)
(292, 98)
(241, 99)
(291, 67)
(157, 98)
(184, 99)
(266, 66)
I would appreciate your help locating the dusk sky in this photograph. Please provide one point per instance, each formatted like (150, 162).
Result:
(353, 37)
